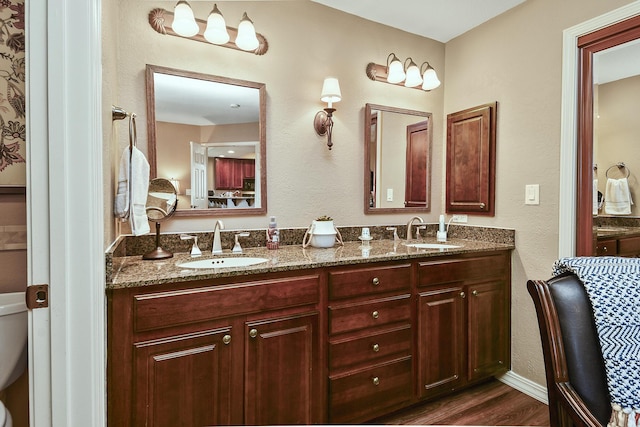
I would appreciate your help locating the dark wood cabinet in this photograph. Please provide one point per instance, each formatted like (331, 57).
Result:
(342, 344)
(418, 173)
(471, 160)
(230, 173)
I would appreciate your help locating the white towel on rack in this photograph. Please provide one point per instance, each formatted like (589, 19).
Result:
(133, 186)
(617, 197)
(595, 196)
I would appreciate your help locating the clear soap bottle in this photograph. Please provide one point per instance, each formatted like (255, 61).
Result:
(273, 234)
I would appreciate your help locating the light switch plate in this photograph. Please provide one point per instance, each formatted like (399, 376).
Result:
(389, 194)
(532, 194)
(459, 218)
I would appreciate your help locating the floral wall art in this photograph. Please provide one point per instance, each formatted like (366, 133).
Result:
(12, 94)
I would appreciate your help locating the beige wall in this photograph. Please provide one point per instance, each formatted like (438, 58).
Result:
(514, 59)
(618, 130)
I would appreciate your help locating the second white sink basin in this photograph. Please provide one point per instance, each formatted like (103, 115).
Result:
(432, 246)
(227, 262)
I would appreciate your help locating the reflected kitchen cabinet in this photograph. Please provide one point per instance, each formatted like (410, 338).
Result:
(471, 160)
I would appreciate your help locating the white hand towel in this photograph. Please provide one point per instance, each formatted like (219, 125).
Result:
(133, 185)
(617, 197)
(595, 196)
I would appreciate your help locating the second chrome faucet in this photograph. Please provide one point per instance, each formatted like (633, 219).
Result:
(217, 244)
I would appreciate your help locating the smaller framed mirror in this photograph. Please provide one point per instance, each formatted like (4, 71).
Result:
(162, 200)
(397, 160)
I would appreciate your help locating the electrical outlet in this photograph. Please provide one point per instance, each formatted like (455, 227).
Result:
(459, 218)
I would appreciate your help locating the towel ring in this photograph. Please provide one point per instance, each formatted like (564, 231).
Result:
(620, 165)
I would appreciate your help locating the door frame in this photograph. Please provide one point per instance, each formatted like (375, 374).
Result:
(67, 384)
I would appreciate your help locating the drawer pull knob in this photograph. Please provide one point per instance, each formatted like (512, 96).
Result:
(375, 314)
(376, 381)
(474, 293)
(376, 348)
(375, 281)
(463, 295)
(253, 333)
(226, 339)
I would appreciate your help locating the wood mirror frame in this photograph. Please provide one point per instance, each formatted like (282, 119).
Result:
(589, 44)
(371, 180)
(152, 149)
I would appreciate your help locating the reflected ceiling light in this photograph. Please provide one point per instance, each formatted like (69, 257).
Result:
(216, 31)
(323, 121)
(429, 77)
(395, 73)
(395, 70)
(184, 23)
(181, 22)
(413, 74)
(246, 39)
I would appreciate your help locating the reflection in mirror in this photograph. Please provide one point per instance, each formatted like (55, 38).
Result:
(162, 200)
(207, 133)
(616, 96)
(397, 164)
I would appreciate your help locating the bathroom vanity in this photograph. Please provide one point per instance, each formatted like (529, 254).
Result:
(335, 335)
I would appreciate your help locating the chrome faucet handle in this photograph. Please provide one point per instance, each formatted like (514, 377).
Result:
(237, 249)
(195, 250)
(418, 228)
(395, 233)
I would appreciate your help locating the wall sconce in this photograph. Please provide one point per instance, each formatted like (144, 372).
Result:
(182, 23)
(397, 73)
(323, 122)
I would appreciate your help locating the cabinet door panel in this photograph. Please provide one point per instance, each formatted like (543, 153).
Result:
(487, 330)
(282, 371)
(441, 344)
(183, 380)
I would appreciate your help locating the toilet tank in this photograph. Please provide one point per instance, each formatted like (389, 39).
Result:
(13, 337)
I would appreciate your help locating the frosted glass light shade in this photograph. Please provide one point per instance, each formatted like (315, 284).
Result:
(184, 23)
(430, 79)
(331, 91)
(413, 75)
(216, 31)
(246, 39)
(396, 71)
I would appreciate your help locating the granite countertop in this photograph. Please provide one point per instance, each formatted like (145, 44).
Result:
(133, 271)
(606, 232)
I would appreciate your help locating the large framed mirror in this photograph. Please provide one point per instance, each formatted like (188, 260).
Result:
(207, 135)
(596, 51)
(397, 160)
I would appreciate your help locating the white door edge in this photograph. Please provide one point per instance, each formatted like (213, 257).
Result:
(67, 384)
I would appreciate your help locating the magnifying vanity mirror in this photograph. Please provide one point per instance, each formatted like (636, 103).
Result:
(207, 133)
(397, 160)
(162, 201)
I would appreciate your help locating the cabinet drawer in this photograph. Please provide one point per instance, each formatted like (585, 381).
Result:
(372, 348)
(446, 271)
(369, 281)
(366, 394)
(171, 308)
(379, 312)
(607, 247)
(629, 246)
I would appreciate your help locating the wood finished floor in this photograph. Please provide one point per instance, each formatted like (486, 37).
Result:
(490, 404)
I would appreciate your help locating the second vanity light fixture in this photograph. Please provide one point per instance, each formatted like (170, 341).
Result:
(407, 74)
(323, 121)
(182, 23)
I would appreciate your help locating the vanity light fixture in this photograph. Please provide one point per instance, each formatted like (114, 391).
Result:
(323, 121)
(408, 75)
(182, 23)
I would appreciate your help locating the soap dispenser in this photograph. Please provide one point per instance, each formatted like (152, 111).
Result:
(273, 234)
(441, 234)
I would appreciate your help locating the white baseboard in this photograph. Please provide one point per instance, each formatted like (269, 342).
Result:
(525, 386)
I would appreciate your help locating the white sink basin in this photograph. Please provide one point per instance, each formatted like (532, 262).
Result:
(432, 246)
(228, 262)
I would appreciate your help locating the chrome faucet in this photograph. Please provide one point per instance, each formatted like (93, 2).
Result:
(217, 245)
(410, 224)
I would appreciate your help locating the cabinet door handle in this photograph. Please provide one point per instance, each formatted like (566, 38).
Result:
(375, 281)
(376, 381)
(375, 314)
(253, 333)
(226, 339)
(474, 293)
(376, 348)
(463, 295)
(482, 205)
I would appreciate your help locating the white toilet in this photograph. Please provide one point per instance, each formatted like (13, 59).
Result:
(13, 344)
